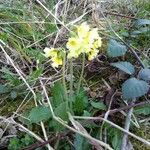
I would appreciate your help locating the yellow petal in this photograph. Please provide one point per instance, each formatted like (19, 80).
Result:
(92, 54)
(97, 43)
(73, 43)
(56, 61)
(50, 52)
(92, 35)
(82, 30)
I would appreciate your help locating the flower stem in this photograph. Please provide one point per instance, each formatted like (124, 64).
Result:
(64, 81)
(71, 83)
(82, 71)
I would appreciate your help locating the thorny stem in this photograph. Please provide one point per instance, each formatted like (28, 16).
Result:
(82, 71)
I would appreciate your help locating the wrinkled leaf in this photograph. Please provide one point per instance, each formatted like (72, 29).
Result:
(116, 49)
(127, 67)
(133, 88)
(144, 74)
(39, 113)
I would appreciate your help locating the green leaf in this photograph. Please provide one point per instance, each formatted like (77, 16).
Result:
(35, 74)
(145, 110)
(86, 113)
(60, 111)
(27, 140)
(39, 113)
(58, 93)
(114, 136)
(127, 67)
(14, 144)
(80, 143)
(116, 140)
(141, 22)
(146, 62)
(142, 30)
(80, 102)
(116, 49)
(3, 89)
(144, 74)
(98, 105)
(133, 88)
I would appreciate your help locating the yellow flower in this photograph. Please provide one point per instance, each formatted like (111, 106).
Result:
(97, 43)
(92, 54)
(82, 30)
(50, 52)
(72, 54)
(86, 41)
(73, 43)
(92, 35)
(56, 61)
(56, 56)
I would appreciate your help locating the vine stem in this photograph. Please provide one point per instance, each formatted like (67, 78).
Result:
(82, 71)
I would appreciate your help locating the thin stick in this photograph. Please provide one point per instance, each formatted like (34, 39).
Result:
(132, 50)
(53, 15)
(126, 127)
(32, 91)
(116, 126)
(70, 128)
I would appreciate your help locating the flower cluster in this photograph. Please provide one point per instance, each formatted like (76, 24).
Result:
(56, 56)
(86, 41)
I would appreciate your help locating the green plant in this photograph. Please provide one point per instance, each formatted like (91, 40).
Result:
(17, 143)
(133, 87)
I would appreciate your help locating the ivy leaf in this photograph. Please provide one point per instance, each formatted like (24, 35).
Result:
(116, 49)
(144, 74)
(98, 105)
(127, 67)
(39, 113)
(133, 88)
